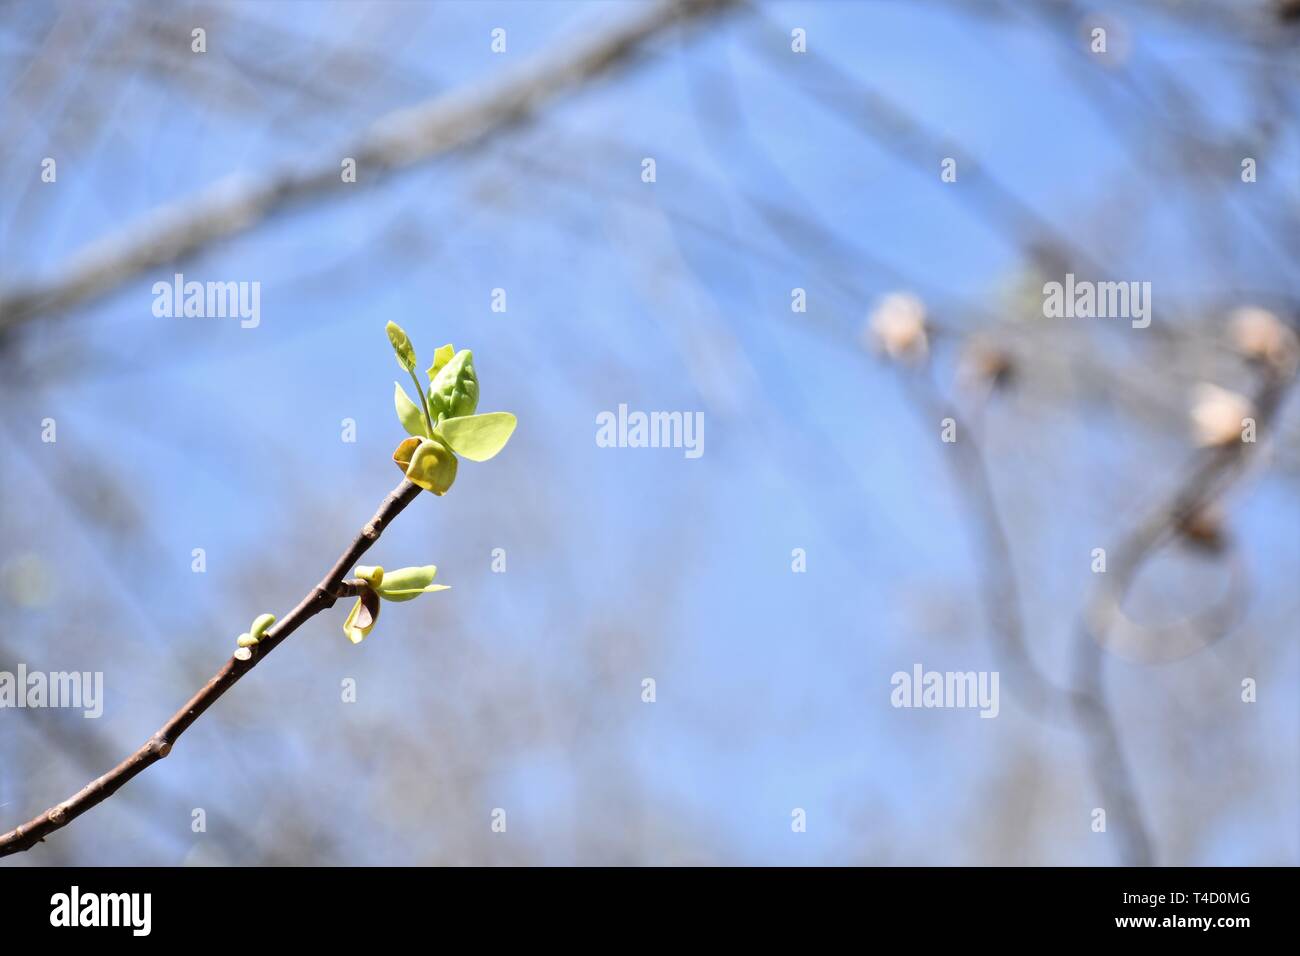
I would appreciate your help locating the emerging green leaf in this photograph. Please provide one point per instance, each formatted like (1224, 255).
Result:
(361, 619)
(427, 462)
(440, 358)
(453, 391)
(372, 575)
(408, 413)
(260, 624)
(403, 452)
(477, 437)
(401, 346)
(404, 584)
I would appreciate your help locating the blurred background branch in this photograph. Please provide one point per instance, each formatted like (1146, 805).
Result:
(416, 134)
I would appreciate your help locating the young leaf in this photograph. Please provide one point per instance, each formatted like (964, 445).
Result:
(401, 346)
(408, 413)
(403, 453)
(430, 464)
(361, 619)
(453, 392)
(404, 584)
(440, 358)
(409, 595)
(260, 624)
(371, 574)
(478, 437)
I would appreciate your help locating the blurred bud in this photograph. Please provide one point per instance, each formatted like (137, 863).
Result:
(1262, 337)
(27, 581)
(1203, 528)
(986, 366)
(246, 640)
(453, 390)
(897, 328)
(1217, 415)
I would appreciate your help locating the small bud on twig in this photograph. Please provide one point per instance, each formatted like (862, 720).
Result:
(1217, 415)
(1262, 337)
(897, 328)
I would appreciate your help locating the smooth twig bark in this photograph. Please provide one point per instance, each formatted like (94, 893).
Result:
(322, 596)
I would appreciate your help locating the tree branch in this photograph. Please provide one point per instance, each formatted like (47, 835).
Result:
(1210, 474)
(322, 596)
(999, 590)
(401, 138)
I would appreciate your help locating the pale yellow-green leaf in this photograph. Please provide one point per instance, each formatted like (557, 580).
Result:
(402, 347)
(361, 619)
(453, 391)
(403, 452)
(371, 574)
(408, 413)
(440, 358)
(260, 624)
(432, 465)
(407, 583)
(478, 437)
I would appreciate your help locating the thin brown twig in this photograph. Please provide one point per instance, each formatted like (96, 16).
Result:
(322, 596)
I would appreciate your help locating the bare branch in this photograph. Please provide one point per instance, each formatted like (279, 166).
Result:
(402, 138)
(322, 596)
(1207, 478)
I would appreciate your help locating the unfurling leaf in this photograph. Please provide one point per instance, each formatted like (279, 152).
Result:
(362, 617)
(477, 437)
(256, 632)
(401, 346)
(372, 575)
(408, 413)
(427, 462)
(404, 584)
(453, 390)
(260, 624)
(440, 358)
(403, 452)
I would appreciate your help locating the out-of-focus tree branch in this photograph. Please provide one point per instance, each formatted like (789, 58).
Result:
(440, 126)
(1206, 479)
